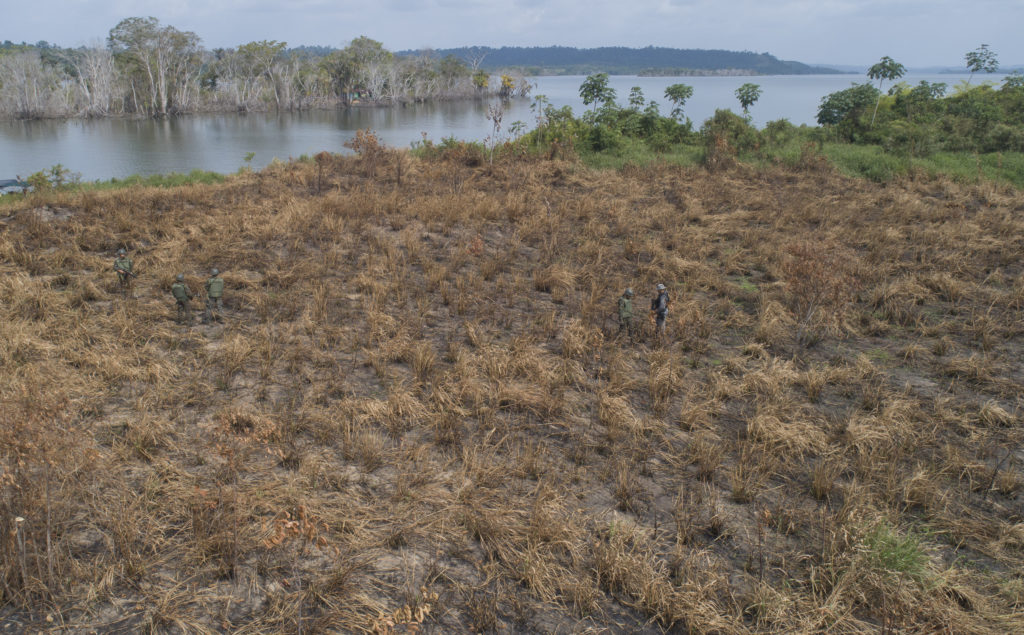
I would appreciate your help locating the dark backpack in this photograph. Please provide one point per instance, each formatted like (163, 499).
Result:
(660, 304)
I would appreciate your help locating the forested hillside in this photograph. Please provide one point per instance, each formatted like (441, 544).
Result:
(622, 60)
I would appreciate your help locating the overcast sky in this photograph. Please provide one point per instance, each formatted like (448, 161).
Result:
(858, 32)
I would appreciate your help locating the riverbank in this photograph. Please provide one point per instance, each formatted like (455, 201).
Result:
(105, 148)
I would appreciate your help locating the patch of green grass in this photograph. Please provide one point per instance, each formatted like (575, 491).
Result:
(173, 179)
(879, 354)
(890, 552)
(971, 168)
(195, 177)
(866, 161)
(10, 199)
(636, 152)
(746, 285)
(874, 163)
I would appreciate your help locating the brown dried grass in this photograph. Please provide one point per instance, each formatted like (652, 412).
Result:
(414, 413)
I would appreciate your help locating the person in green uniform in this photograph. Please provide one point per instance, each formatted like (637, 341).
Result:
(659, 309)
(214, 293)
(626, 313)
(123, 267)
(182, 294)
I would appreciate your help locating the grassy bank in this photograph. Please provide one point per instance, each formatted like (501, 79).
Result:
(418, 413)
(861, 161)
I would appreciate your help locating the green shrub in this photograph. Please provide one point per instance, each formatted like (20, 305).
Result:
(602, 138)
(1001, 137)
(778, 132)
(889, 552)
(733, 129)
(908, 138)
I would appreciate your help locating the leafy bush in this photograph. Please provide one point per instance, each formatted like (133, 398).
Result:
(846, 105)
(779, 132)
(732, 129)
(1003, 136)
(603, 138)
(56, 177)
(909, 138)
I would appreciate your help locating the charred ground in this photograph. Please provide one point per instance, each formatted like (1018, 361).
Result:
(416, 413)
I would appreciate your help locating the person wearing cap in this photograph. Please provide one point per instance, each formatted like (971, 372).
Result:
(214, 292)
(659, 308)
(626, 313)
(182, 294)
(123, 268)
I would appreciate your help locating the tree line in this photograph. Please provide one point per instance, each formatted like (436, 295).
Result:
(608, 127)
(929, 117)
(146, 68)
(872, 132)
(620, 60)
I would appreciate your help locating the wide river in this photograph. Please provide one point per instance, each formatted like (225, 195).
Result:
(105, 148)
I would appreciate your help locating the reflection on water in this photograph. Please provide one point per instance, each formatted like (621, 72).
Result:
(105, 148)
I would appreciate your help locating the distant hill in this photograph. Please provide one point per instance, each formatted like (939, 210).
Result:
(619, 60)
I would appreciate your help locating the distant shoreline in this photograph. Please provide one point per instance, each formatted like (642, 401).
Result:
(672, 72)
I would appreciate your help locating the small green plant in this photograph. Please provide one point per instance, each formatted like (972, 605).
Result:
(894, 554)
(55, 177)
(879, 354)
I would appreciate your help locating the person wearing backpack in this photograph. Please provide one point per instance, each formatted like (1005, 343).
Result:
(214, 293)
(182, 294)
(659, 309)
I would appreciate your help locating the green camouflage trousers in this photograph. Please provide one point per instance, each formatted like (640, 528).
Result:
(184, 315)
(214, 307)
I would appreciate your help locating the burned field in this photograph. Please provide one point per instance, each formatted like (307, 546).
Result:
(417, 413)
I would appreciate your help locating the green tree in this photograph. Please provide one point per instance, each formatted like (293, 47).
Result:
(678, 94)
(452, 68)
(341, 68)
(886, 69)
(748, 94)
(595, 90)
(250, 68)
(921, 100)
(981, 60)
(158, 57)
(845, 105)
(358, 67)
(636, 98)
(263, 57)
(481, 79)
(507, 86)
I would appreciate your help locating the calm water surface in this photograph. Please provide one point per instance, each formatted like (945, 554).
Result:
(101, 149)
